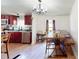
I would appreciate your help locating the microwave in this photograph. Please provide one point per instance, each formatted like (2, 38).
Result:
(4, 21)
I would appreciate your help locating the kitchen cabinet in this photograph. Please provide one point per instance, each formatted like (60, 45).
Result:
(2, 17)
(16, 37)
(28, 20)
(10, 18)
(21, 37)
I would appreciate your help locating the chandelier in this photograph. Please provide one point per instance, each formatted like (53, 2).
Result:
(40, 8)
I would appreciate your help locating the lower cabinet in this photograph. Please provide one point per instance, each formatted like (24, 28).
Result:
(16, 37)
(21, 37)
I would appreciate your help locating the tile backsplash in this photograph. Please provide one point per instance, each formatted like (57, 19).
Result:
(16, 27)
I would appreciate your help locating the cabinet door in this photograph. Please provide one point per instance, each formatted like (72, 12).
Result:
(12, 18)
(7, 17)
(16, 37)
(2, 17)
(28, 20)
(12, 38)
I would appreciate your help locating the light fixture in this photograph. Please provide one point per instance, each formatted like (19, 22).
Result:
(40, 8)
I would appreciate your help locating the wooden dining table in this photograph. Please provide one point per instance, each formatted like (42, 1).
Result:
(68, 41)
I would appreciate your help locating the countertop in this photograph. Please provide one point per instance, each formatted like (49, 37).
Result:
(17, 31)
(16, 28)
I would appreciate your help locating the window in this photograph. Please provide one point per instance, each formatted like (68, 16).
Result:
(50, 27)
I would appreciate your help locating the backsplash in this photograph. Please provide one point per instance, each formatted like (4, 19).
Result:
(17, 27)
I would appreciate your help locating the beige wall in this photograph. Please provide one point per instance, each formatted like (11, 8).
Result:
(74, 26)
(62, 22)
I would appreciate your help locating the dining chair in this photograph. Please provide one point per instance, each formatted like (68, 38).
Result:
(49, 45)
(39, 37)
(59, 46)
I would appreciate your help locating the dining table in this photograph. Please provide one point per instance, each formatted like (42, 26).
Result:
(67, 41)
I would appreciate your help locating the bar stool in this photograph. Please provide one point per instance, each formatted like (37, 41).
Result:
(5, 41)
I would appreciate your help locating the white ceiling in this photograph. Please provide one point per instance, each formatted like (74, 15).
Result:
(54, 7)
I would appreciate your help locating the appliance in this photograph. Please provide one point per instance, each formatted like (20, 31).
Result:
(26, 37)
(40, 8)
(4, 21)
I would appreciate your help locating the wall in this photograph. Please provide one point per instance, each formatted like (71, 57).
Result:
(33, 29)
(74, 27)
(62, 22)
(39, 23)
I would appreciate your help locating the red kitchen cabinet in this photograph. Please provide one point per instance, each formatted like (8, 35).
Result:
(2, 17)
(28, 20)
(7, 17)
(16, 37)
(10, 18)
(21, 37)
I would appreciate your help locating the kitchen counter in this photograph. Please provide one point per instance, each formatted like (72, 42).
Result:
(15, 31)
(16, 28)
(19, 36)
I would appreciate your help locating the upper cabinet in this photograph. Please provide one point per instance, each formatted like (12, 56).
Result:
(2, 16)
(28, 20)
(10, 18)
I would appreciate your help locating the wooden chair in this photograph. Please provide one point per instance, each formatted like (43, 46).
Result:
(49, 43)
(5, 40)
(59, 46)
(39, 37)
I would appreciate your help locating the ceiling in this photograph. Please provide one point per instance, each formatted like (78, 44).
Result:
(54, 7)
